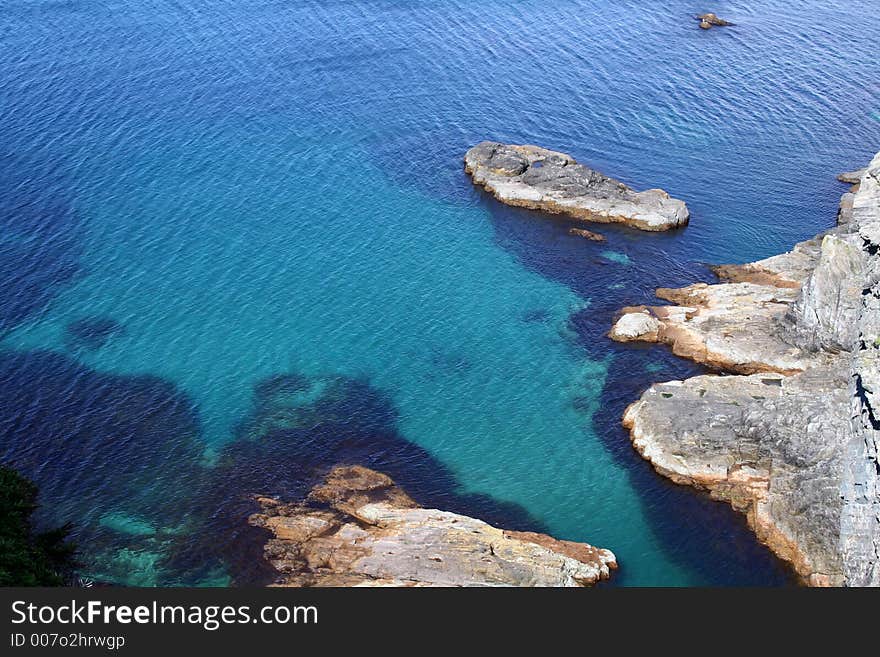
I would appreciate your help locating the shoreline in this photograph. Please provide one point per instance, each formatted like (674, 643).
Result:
(359, 528)
(789, 436)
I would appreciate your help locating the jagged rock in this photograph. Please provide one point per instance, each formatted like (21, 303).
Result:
(359, 529)
(860, 487)
(770, 445)
(854, 178)
(710, 20)
(730, 326)
(797, 451)
(825, 315)
(788, 269)
(586, 234)
(540, 179)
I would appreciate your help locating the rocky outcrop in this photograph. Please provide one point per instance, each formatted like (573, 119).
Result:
(770, 445)
(732, 327)
(793, 441)
(358, 528)
(851, 177)
(540, 179)
(710, 20)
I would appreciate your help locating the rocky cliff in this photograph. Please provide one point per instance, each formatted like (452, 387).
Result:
(540, 179)
(358, 528)
(792, 441)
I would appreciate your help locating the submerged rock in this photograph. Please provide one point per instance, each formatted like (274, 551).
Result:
(297, 429)
(91, 333)
(795, 450)
(586, 234)
(540, 179)
(358, 528)
(116, 455)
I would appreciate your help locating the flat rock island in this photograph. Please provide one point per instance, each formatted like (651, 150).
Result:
(792, 438)
(540, 179)
(358, 528)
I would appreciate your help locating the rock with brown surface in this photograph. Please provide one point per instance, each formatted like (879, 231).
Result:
(730, 326)
(540, 179)
(358, 528)
(710, 20)
(796, 449)
(788, 269)
(586, 234)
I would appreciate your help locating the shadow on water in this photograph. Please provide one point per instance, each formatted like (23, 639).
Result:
(91, 333)
(40, 237)
(120, 458)
(704, 535)
(113, 455)
(296, 431)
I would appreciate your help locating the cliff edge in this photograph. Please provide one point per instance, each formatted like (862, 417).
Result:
(792, 441)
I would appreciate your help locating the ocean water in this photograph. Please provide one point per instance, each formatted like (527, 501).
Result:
(238, 247)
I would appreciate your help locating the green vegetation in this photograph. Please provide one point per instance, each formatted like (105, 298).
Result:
(28, 558)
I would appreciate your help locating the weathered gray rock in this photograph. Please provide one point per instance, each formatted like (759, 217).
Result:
(540, 179)
(797, 450)
(771, 445)
(636, 325)
(860, 487)
(826, 313)
(359, 529)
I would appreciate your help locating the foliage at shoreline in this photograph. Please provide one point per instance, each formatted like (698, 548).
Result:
(28, 558)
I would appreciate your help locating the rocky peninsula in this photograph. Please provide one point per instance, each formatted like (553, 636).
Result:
(792, 438)
(358, 528)
(540, 179)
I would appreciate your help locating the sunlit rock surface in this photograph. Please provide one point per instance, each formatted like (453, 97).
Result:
(540, 179)
(358, 528)
(794, 445)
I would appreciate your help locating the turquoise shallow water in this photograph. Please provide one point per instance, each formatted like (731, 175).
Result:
(199, 197)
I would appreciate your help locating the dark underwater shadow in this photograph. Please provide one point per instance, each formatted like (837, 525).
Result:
(40, 237)
(703, 535)
(115, 456)
(297, 430)
(121, 459)
(91, 333)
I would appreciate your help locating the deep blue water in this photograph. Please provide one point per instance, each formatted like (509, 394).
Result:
(238, 247)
